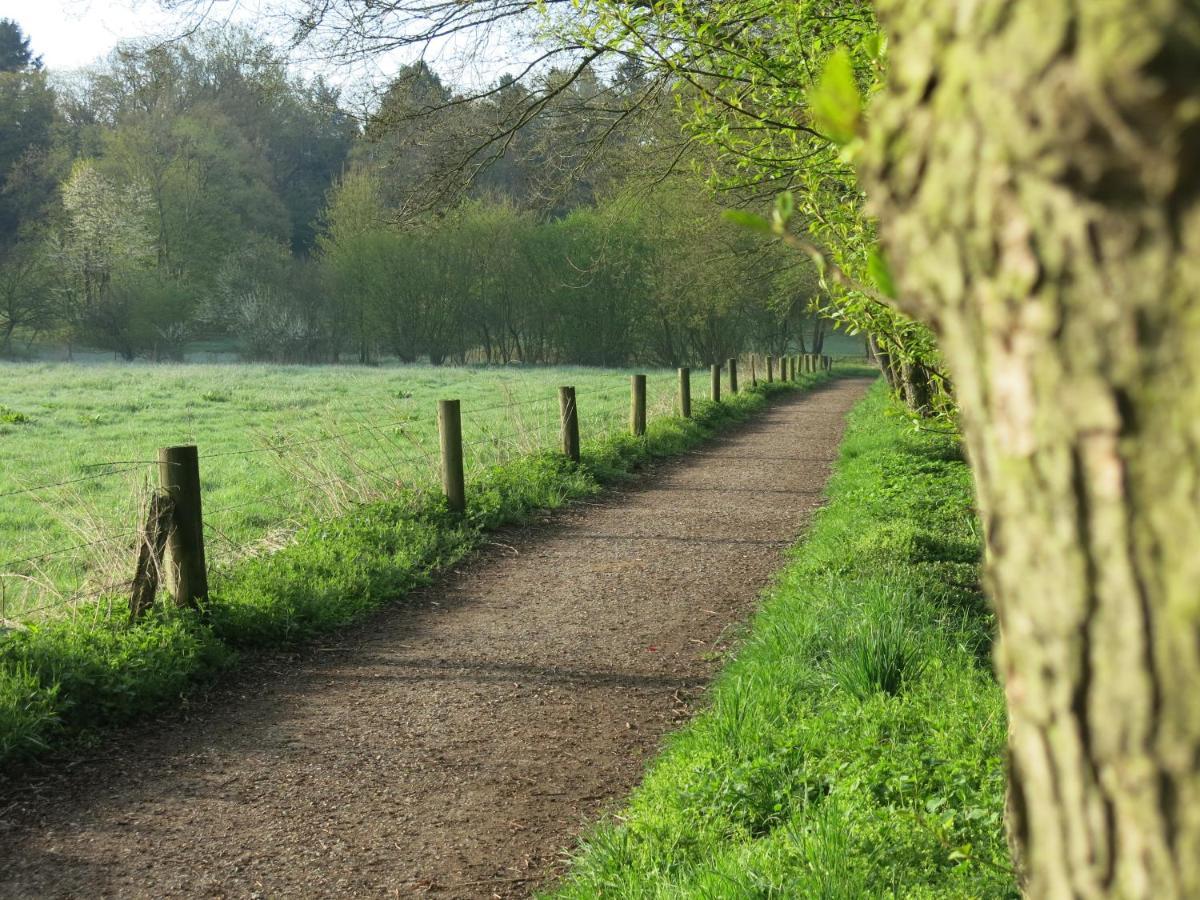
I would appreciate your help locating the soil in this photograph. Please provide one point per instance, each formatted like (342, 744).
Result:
(457, 744)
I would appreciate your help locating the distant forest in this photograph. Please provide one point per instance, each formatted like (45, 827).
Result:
(199, 191)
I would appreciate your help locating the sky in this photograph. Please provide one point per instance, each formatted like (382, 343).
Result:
(69, 34)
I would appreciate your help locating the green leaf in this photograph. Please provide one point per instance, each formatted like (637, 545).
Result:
(880, 273)
(835, 103)
(747, 220)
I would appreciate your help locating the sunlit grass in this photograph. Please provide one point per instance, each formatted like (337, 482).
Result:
(278, 444)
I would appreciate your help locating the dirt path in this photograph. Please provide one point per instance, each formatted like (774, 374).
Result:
(455, 745)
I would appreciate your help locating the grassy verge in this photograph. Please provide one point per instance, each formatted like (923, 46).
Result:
(853, 747)
(62, 680)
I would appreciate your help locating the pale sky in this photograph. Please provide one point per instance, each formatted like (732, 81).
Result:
(68, 34)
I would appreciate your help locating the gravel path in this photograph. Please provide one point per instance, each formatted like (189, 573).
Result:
(455, 745)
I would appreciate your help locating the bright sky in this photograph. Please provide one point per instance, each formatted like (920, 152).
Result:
(68, 34)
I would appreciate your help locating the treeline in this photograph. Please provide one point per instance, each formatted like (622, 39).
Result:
(198, 191)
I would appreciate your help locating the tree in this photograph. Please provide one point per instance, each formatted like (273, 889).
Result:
(27, 117)
(24, 280)
(107, 238)
(1034, 174)
(15, 55)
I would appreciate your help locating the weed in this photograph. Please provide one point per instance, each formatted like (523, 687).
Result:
(10, 416)
(878, 659)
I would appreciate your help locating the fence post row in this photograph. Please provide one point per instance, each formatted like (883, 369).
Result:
(450, 432)
(187, 573)
(175, 521)
(685, 392)
(569, 413)
(637, 408)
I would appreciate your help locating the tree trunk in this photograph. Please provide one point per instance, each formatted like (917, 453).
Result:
(885, 363)
(918, 388)
(1036, 171)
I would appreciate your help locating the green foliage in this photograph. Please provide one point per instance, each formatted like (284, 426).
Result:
(10, 416)
(835, 102)
(62, 679)
(27, 712)
(780, 103)
(880, 657)
(853, 747)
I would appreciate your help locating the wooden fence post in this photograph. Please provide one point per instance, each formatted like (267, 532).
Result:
(733, 386)
(685, 392)
(569, 413)
(753, 372)
(637, 409)
(770, 368)
(714, 390)
(179, 475)
(450, 431)
(152, 542)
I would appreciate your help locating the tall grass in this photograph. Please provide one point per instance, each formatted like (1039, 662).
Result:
(853, 747)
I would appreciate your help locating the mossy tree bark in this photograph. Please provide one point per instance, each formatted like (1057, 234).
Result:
(1036, 172)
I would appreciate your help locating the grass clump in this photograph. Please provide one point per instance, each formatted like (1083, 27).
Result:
(879, 660)
(853, 747)
(10, 416)
(64, 679)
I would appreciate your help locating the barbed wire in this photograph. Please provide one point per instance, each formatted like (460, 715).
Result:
(71, 600)
(9, 563)
(276, 448)
(65, 482)
(291, 492)
(474, 410)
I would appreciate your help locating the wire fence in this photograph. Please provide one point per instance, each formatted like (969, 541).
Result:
(328, 474)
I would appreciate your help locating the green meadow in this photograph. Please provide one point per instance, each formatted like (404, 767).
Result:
(278, 445)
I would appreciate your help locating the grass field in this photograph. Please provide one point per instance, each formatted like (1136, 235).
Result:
(278, 444)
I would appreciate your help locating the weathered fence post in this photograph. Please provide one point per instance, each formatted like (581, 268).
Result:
(450, 431)
(179, 475)
(714, 390)
(753, 372)
(770, 368)
(733, 386)
(685, 392)
(637, 409)
(569, 413)
(152, 542)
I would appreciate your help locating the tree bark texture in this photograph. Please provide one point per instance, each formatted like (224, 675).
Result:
(1035, 168)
